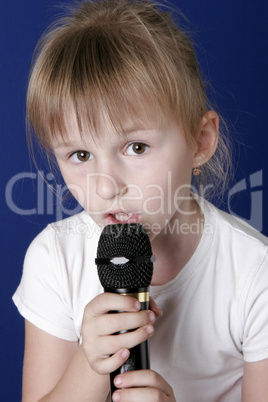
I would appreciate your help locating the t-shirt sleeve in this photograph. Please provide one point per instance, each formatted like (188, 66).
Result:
(255, 325)
(41, 295)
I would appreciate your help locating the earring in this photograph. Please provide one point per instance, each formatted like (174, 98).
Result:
(196, 171)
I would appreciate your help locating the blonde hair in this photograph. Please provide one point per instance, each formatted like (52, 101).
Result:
(125, 58)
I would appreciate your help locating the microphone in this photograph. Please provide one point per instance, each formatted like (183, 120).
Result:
(125, 266)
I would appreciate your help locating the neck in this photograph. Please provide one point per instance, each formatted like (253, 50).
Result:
(176, 244)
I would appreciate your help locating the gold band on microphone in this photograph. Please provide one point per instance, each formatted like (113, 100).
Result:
(141, 296)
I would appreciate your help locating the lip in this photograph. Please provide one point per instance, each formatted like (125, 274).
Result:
(110, 218)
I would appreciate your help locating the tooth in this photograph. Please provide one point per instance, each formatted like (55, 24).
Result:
(121, 216)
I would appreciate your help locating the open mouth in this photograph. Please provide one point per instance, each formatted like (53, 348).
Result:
(122, 217)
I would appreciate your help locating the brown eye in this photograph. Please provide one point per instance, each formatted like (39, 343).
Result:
(81, 156)
(137, 148)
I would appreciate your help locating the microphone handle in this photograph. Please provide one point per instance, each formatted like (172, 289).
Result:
(139, 358)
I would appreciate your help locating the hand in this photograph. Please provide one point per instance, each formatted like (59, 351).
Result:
(105, 351)
(142, 385)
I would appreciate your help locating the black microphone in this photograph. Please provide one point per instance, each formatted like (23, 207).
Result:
(125, 266)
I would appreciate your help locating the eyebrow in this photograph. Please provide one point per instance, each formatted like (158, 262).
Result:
(125, 132)
(135, 128)
(64, 144)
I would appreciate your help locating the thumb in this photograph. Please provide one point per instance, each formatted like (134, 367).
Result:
(154, 307)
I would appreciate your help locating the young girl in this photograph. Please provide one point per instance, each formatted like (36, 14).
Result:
(116, 98)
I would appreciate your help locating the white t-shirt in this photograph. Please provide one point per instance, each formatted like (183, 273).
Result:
(215, 310)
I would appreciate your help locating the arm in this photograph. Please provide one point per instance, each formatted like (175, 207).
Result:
(57, 370)
(255, 382)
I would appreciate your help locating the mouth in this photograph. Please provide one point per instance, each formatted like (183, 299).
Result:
(122, 217)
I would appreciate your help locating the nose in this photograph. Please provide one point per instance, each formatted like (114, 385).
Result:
(108, 187)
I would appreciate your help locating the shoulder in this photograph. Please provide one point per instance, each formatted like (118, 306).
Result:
(238, 251)
(239, 258)
(233, 233)
(80, 224)
(239, 227)
(63, 244)
(74, 230)
(59, 276)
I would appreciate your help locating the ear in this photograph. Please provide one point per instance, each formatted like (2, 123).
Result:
(206, 138)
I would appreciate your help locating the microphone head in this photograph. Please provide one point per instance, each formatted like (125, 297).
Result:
(124, 257)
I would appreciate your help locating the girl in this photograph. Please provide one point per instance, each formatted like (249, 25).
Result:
(116, 99)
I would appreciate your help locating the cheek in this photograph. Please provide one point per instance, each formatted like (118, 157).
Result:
(78, 193)
(76, 185)
(164, 194)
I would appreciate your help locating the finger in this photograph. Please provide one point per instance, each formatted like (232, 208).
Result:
(108, 345)
(113, 323)
(108, 364)
(104, 358)
(140, 394)
(105, 302)
(103, 363)
(145, 378)
(154, 307)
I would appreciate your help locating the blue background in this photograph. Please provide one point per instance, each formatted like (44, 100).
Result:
(232, 39)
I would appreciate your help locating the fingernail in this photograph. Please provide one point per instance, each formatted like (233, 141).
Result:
(137, 305)
(149, 329)
(118, 381)
(125, 354)
(151, 316)
(117, 396)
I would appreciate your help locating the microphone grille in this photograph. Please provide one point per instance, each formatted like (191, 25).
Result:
(130, 241)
